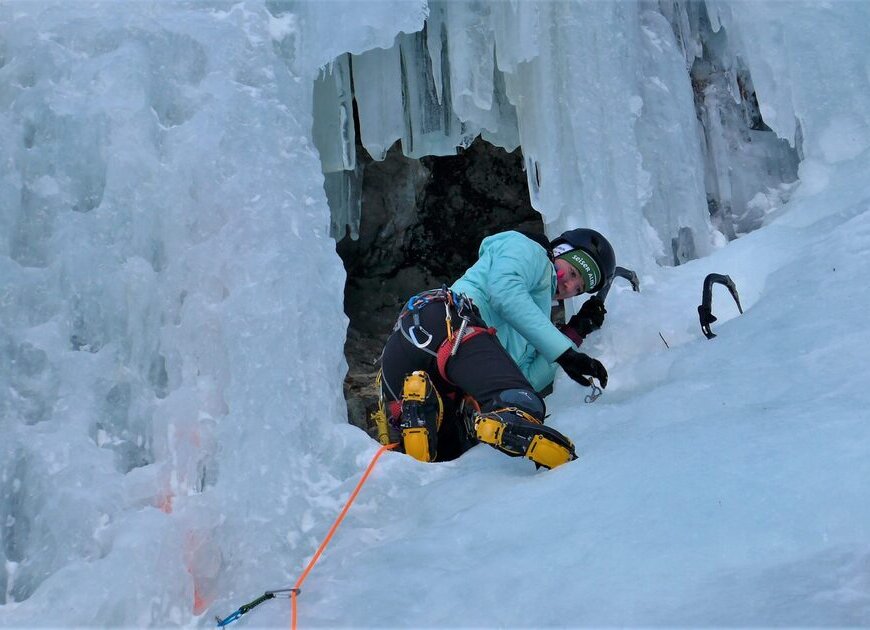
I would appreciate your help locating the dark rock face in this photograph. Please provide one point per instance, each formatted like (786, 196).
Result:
(469, 196)
(390, 194)
(421, 226)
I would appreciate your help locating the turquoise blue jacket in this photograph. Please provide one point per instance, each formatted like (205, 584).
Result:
(513, 283)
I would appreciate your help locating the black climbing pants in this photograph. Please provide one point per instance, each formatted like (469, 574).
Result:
(481, 368)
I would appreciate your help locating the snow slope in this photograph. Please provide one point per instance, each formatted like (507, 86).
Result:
(720, 482)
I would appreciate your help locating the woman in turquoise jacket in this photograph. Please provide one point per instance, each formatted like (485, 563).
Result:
(489, 339)
(513, 285)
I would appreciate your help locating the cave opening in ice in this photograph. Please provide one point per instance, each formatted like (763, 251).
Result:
(416, 172)
(420, 227)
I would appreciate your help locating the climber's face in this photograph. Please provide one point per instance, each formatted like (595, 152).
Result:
(569, 282)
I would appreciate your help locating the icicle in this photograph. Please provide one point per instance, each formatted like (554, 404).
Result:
(334, 131)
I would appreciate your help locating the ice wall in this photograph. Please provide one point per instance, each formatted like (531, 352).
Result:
(747, 167)
(638, 118)
(170, 303)
(810, 69)
(596, 93)
(170, 361)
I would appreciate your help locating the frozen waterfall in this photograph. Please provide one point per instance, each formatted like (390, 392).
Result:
(171, 323)
(613, 138)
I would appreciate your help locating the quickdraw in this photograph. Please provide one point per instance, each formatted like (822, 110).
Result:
(293, 593)
(246, 608)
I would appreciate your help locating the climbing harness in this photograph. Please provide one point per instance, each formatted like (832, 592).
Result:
(705, 310)
(416, 303)
(294, 592)
(457, 303)
(448, 350)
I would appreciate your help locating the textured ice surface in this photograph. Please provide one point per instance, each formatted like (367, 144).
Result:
(170, 312)
(173, 435)
(622, 109)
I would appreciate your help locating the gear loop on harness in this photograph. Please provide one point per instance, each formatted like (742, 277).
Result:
(454, 303)
(413, 307)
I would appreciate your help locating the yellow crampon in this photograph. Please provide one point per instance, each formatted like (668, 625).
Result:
(548, 453)
(379, 417)
(519, 434)
(422, 412)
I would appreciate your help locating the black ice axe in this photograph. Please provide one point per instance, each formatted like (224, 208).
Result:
(622, 272)
(629, 275)
(705, 310)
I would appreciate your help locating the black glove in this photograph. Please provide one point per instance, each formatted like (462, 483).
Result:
(589, 318)
(580, 366)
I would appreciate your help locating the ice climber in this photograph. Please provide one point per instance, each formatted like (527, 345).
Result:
(466, 364)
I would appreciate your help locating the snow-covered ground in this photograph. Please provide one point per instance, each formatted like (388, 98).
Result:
(173, 435)
(720, 482)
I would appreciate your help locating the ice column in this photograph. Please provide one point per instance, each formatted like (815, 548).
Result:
(604, 99)
(377, 80)
(747, 167)
(170, 314)
(334, 132)
(809, 64)
(667, 134)
(334, 135)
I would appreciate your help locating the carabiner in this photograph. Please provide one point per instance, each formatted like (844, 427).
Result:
(413, 336)
(596, 392)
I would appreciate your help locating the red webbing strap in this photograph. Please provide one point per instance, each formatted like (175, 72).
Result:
(394, 407)
(446, 348)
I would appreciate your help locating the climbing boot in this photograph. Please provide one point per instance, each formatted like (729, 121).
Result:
(520, 434)
(422, 412)
(468, 410)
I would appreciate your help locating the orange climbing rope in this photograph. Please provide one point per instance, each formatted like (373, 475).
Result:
(296, 587)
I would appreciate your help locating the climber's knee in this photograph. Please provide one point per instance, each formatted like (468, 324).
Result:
(421, 416)
(525, 399)
(519, 434)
